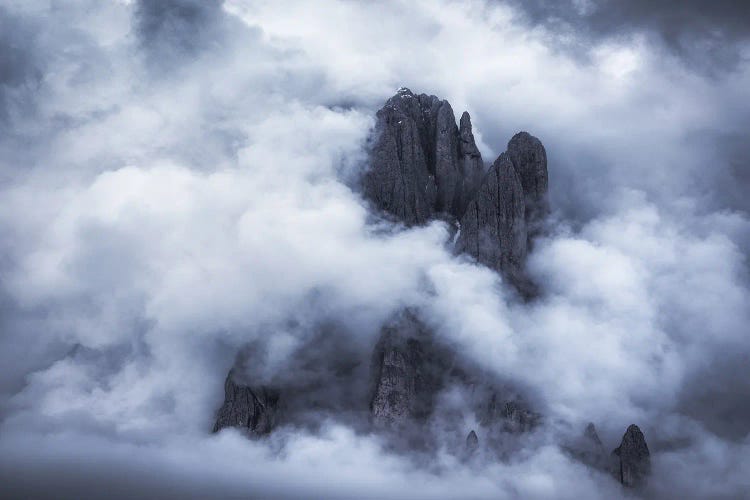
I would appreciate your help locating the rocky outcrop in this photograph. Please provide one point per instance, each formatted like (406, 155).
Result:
(629, 463)
(398, 181)
(493, 229)
(633, 457)
(471, 166)
(446, 165)
(423, 167)
(529, 159)
(405, 373)
(251, 410)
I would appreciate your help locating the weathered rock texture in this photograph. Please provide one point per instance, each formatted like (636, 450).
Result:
(423, 166)
(471, 167)
(529, 159)
(421, 163)
(405, 373)
(634, 458)
(246, 408)
(493, 229)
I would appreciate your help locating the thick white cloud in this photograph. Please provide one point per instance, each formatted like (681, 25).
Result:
(162, 216)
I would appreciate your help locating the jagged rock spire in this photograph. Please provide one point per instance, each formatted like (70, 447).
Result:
(471, 167)
(493, 229)
(399, 181)
(421, 163)
(529, 158)
(423, 166)
(634, 458)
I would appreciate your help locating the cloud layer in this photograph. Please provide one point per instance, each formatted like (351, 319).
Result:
(179, 181)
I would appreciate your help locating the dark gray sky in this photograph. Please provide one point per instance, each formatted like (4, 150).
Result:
(176, 183)
(705, 36)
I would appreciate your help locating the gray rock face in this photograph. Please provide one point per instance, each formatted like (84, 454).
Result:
(421, 164)
(404, 373)
(529, 158)
(470, 164)
(424, 166)
(447, 174)
(246, 408)
(634, 458)
(399, 181)
(493, 229)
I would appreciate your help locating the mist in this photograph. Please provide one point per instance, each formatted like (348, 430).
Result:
(180, 184)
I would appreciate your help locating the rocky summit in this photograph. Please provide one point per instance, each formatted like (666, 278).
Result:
(421, 163)
(423, 167)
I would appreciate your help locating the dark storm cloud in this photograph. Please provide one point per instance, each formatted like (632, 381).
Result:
(20, 70)
(703, 34)
(708, 38)
(17, 57)
(172, 29)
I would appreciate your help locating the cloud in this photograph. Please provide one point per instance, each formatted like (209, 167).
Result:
(183, 186)
(314, 470)
(19, 70)
(707, 38)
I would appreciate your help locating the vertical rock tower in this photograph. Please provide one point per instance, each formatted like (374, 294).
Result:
(633, 457)
(424, 166)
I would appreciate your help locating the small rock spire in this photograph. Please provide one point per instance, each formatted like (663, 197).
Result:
(472, 442)
(529, 158)
(634, 458)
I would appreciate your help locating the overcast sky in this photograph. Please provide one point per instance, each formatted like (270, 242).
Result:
(179, 181)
